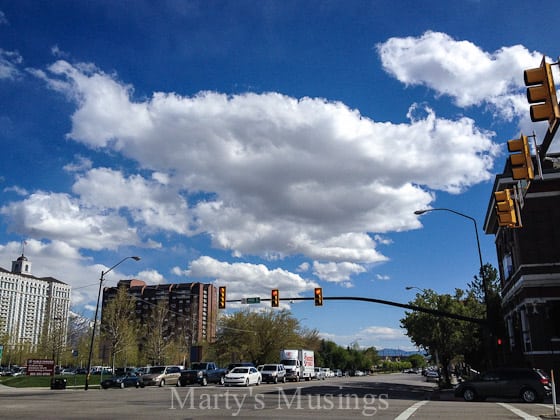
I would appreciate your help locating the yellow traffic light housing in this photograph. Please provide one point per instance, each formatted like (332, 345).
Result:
(542, 92)
(505, 208)
(318, 296)
(222, 297)
(275, 298)
(521, 163)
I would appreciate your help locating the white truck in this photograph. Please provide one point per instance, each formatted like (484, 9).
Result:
(299, 364)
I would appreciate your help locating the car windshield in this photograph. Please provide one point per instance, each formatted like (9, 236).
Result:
(289, 362)
(156, 369)
(240, 370)
(198, 366)
(269, 367)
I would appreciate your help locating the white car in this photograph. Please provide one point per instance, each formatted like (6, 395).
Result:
(244, 376)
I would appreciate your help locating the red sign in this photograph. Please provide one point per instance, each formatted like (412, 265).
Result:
(40, 367)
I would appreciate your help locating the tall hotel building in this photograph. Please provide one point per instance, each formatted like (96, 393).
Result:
(31, 306)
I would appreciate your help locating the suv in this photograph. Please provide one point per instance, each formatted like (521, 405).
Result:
(273, 373)
(161, 375)
(531, 385)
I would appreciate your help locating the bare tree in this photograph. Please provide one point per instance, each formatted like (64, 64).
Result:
(157, 342)
(118, 324)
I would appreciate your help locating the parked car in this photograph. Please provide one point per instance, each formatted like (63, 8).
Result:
(319, 373)
(242, 364)
(432, 375)
(68, 371)
(531, 385)
(22, 371)
(161, 375)
(243, 376)
(123, 382)
(273, 373)
(202, 373)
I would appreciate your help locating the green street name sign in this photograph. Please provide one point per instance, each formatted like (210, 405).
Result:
(251, 300)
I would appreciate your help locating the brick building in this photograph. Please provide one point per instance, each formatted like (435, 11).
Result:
(529, 267)
(191, 313)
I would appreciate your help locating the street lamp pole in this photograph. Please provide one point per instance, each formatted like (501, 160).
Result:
(482, 275)
(103, 273)
(487, 327)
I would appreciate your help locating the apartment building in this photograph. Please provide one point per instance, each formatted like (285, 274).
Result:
(190, 308)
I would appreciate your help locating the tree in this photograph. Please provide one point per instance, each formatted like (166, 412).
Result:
(118, 325)
(417, 361)
(157, 341)
(443, 337)
(495, 318)
(258, 337)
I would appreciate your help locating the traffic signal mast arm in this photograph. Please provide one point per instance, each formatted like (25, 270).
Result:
(435, 312)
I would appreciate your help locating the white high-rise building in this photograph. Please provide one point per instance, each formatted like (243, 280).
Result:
(31, 306)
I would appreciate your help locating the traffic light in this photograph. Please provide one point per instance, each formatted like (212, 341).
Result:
(505, 208)
(542, 92)
(318, 296)
(222, 297)
(275, 298)
(521, 163)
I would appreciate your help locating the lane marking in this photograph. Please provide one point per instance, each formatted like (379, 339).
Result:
(410, 410)
(518, 412)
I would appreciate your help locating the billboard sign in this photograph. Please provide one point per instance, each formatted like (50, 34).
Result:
(40, 367)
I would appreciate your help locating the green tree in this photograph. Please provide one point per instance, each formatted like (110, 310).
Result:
(443, 337)
(417, 360)
(257, 337)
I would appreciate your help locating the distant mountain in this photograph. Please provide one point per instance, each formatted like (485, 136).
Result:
(398, 353)
(78, 326)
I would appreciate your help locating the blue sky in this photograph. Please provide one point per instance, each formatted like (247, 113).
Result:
(262, 144)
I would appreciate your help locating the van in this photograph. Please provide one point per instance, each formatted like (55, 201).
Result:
(161, 375)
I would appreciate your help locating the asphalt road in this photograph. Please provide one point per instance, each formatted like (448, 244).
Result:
(396, 396)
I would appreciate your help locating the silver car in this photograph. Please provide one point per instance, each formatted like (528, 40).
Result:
(273, 373)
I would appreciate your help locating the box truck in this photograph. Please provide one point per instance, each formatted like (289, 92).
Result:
(299, 364)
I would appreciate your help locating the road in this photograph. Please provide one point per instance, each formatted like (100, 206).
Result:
(387, 396)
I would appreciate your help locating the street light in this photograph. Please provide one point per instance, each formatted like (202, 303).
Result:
(414, 287)
(487, 327)
(482, 275)
(88, 373)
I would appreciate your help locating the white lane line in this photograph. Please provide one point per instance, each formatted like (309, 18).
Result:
(519, 412)
(410, 410)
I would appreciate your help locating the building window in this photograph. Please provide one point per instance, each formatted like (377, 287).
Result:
(507, 265)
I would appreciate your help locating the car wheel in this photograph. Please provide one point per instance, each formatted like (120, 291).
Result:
(222, 380)
(178, 382)
(276, 379)
(469, 394)
(247, 382)
(122, 385)
(528, 395)
(137, 385)
(204, 382)
(284, 380)
(258, 381)
(162, 383)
